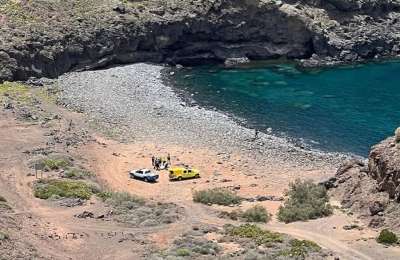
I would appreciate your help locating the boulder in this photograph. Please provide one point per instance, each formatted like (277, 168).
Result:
(85, 214)
(232, 62)
(397, 135)
(375, 207)
(120, 8)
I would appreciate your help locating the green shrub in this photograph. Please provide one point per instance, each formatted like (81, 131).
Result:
(74, 173)
(255, 233)
(300, 248)
(306, 200)
(53, 162)
(256, 214)
(4, 236)
(387, 237)
(182, 252)
(233, 215)
(217, 196)
(120, 198)
(2, 199)
(56, 164)
(45, 189)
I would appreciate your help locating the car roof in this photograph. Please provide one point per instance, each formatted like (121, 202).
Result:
(180, 168)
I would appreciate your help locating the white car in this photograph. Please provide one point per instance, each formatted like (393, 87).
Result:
(144, 174)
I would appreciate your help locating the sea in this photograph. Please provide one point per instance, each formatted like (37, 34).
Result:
(342, 109)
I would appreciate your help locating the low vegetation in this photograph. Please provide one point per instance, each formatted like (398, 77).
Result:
(52, 188)
(134, 210)
(387, 237)
(76, 173)
(306, 200)
(16, 91)
(120, 198)
(300, 248)
(2, 199)
(254, 214)
(217, 196)
(255, 233)
(52, 162)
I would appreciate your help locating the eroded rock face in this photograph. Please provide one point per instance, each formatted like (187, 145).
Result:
(372, 189)
(384, 167)
(60, 37)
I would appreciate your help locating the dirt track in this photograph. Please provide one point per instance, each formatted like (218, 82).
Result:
(55, 233)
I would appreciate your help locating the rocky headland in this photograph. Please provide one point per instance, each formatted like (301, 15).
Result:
(47, 38)
(372, 188)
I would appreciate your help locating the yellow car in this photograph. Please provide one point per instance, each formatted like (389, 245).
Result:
(181, 173)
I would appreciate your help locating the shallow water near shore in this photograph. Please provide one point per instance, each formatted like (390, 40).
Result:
(344, 109)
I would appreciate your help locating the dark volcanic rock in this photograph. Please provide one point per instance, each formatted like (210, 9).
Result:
(384, 167)
(373, 192)
(189, 32)
(376, 207)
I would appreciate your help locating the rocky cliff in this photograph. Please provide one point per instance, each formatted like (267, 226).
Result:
(48, 38)
(372, 188)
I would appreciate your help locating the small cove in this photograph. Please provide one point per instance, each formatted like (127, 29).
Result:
(344, 109)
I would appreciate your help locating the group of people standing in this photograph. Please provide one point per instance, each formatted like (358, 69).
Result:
(160, 163)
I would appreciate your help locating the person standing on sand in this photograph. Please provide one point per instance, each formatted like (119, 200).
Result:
(152, 160)
(255, 134)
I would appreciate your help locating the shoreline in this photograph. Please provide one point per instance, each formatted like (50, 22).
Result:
(155, 100)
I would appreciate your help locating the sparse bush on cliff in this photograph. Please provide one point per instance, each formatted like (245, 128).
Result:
(45, 189)
(2, 199)
(217, 196)
(305, 201)
(387, 237)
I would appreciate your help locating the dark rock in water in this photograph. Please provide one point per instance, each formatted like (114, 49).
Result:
(231, 62)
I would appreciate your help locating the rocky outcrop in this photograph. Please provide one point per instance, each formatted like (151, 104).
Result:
(384, 167)
(372, 189)
(48, 38)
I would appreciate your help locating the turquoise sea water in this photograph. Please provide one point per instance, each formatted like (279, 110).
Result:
(344, 109)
